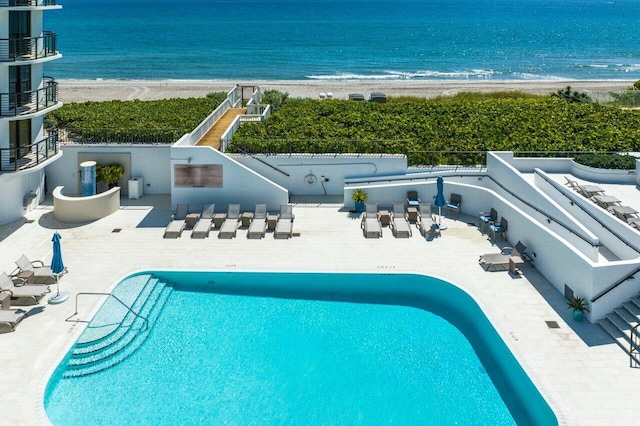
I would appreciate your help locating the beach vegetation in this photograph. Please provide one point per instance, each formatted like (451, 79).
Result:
(443, 131)
(158, 121)
(571, 95)
(629, 98)
(275, 98)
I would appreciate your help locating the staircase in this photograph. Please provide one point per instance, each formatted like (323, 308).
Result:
(622, 324)
(212, 137)
(116, 331)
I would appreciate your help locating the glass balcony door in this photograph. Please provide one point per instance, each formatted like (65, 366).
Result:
(20, 138)
(19, 86)
(19, 32)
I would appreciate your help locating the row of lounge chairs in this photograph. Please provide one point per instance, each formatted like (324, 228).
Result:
(230, 222)
(21, 285)
(614, 206)
(398, 221)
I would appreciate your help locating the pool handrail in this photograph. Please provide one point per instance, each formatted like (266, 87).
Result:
(68, 319)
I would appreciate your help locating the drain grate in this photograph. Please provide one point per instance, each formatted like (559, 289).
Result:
(116, 230)
(552, 324)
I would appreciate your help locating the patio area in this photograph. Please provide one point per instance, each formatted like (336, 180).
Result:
(584, 375)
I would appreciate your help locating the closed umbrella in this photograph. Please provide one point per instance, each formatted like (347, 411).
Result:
(440, 201)
(57, 267)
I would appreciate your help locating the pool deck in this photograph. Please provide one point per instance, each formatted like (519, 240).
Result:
(583, 374)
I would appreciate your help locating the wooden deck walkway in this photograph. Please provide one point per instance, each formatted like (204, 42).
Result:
(212, 137)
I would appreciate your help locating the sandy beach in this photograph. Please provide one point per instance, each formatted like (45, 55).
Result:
(103, 90)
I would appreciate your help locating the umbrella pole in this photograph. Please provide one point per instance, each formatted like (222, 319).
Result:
(440, 225)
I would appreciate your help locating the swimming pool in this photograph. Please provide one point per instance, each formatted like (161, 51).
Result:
(307, 348)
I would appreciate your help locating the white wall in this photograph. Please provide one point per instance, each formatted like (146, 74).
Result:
(239, 183)
(14, 187)
(152, 162)
(305, 171)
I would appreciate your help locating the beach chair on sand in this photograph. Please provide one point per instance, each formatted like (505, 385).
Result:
(399, 223)
(204, 224)
(230, 225)
(178, 222)
(33, 292)
(371, 226)
(500, 261)
(258, 225)
(284, 225)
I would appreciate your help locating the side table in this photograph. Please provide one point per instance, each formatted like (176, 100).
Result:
(218, 219)
(191, 220)
(272, 219)
(245, 219)
(27, 276)
(385, 217)
(412, 214)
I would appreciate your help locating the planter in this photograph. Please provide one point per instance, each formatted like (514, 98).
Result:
(360, 206)
(578, 316)
(603, 175)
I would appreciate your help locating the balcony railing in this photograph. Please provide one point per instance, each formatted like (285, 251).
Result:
(26, 157)
(28, 48)
(23, 103)
(27, 3)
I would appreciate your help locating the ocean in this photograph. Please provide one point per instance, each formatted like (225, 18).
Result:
(346, 39)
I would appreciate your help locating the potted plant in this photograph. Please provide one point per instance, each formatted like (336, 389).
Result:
(579, 306)
(360, 197)
(110, 174)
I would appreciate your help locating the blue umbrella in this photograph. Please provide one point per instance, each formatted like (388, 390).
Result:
(440, 201)
(57, 267)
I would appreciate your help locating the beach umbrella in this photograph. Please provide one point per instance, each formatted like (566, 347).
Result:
(440, 201)
(57, 267)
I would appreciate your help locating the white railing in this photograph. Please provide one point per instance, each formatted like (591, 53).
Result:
(208, 122)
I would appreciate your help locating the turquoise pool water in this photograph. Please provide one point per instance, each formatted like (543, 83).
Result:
(270, 348)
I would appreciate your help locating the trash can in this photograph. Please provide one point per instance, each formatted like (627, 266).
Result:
(135, 187)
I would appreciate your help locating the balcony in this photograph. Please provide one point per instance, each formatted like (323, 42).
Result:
(26, 157)
(27, 3)
(24, 103)
(18, 49)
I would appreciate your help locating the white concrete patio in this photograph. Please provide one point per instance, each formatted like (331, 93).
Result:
(585, 377)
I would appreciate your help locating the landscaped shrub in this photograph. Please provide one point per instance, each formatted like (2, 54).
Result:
(607, 161)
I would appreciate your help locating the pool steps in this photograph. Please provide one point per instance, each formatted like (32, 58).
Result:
(115, 336)
(620, 321)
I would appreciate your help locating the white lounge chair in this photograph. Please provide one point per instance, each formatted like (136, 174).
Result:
(370, 224)
(284, 225)
(230, 225)
(33, 292)
(12, 317)
(178, 222)
(41, 273)
(258, 225)
(399, 223)
(426, 222)
(204, 224)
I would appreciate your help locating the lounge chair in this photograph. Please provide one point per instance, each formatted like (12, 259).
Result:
(356, 97)
(500, 228)
(500, 261)
(34, 291)
(41, 272)
(454, 204)
(284, 225)
(485, 219)
(426, 222)
(258, 225)
(412, 199)
(204, 224)
(12, 317)
(378, 97)
(178, 222)
(371, 224)
(230, 225)
(399, 223)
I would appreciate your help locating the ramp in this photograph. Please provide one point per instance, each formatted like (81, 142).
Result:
(212, 137)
